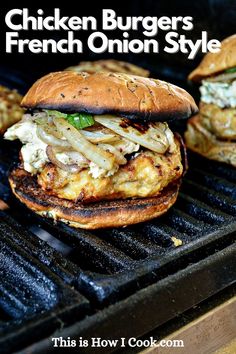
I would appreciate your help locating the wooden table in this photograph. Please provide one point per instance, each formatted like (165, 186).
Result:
(213, 332)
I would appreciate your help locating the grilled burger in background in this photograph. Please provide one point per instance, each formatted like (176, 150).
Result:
(212, 132)
(10, 110)
(109, 65)
(97, 149)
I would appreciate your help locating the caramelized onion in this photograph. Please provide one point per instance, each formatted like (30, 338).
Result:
(78, 141)
(44, 133)
(100, 136)
(153, 136)
(72, 168)
(121, 160)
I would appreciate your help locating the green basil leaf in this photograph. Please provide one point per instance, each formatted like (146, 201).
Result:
(231, 70)
(78, 120)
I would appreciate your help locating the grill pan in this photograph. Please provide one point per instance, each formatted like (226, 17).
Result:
(112, 283)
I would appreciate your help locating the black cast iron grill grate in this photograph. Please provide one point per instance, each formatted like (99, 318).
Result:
(100, 282)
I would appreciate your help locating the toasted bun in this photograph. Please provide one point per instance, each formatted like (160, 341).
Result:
(203, 142)
(101, 93)
(90, 216)
(109, 65)
(213, 63)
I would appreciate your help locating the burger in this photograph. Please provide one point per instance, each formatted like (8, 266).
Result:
(97, 149)
(109, 65)
(212, 132)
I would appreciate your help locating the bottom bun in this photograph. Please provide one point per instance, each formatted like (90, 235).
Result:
(90, 216)
(200, 140)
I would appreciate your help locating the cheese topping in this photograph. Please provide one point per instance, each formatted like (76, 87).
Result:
(223, 94)
(34, 150)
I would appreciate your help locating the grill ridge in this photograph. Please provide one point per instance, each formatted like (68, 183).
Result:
(215, 199)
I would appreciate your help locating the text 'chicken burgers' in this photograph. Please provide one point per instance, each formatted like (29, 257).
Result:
(97, 151)
(212, 132)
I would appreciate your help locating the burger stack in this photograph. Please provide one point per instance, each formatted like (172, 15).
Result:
(212, 132)
(97, 148)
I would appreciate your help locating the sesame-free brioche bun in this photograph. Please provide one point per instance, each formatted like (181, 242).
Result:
(214, 63)
(102, 93)
(109, 65)
(103, 214)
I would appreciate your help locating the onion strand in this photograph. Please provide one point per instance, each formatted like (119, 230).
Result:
(121, 160)
(99, 137)
(78, 141)
(44, 133)
(153, 138)
(72, 168)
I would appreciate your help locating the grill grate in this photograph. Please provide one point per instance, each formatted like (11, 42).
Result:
(70, 278)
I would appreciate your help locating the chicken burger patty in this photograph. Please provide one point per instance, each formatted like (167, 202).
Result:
(144, 175)
(220, 122)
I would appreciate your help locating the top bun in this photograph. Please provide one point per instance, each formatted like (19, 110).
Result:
(213, 63)
(110, 93)
(109, 65)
